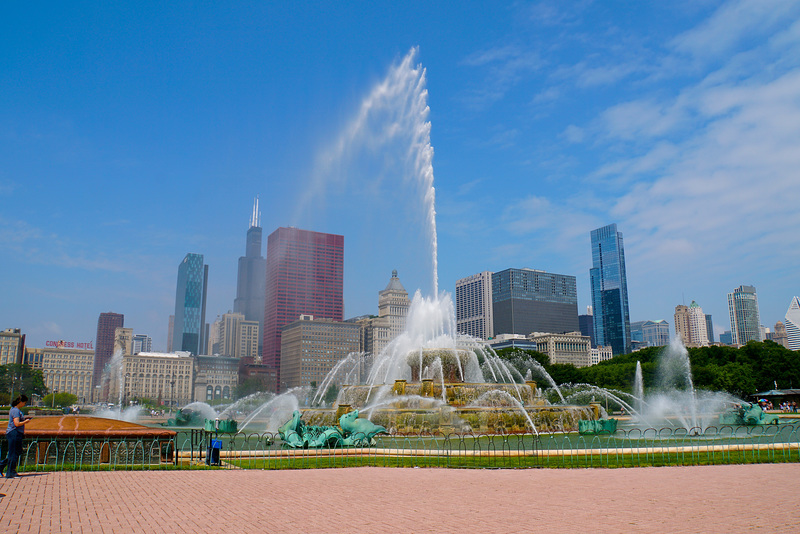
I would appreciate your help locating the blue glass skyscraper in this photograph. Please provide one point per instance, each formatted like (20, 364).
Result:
(612, 324)
(190, 305)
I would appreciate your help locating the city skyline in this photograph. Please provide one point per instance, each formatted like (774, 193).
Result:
(675, 122)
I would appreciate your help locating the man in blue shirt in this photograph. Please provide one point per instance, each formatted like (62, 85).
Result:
(14, 434)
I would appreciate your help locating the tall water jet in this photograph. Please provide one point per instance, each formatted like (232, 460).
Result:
(675, 401)
(429, 359)
(393, 118)
(638, 386)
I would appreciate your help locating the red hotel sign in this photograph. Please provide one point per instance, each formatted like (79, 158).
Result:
(61, 344)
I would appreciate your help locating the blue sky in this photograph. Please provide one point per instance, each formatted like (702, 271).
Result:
(132, 134)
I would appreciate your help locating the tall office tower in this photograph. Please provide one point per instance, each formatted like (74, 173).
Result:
(697, 325)
(586, 324)
(691, 324)
(710, 328)
(250, 288)
(745, 319)
(305, 272)
(393, 306)
(213, 337)
(474, 306)
(228, 333)
(249, 341)
(682, 328)
(610, 290)
(170, 330)
(190, 305)
(107, 325)
(525, 301)
(793, 324)
(142, 343)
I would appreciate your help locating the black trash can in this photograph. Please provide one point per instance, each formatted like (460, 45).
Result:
(212, 454)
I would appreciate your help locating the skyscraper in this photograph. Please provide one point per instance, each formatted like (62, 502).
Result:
(745, 319)
(190, 305)
(170, 330)
(107, 325)
(682, 328)
(793, 324)
(710, 328)
(586, 324)
(691, 324)
(250, 288)
(525, 301)
(474, 305)
(227, 335)
(304, 275)
(610, 290)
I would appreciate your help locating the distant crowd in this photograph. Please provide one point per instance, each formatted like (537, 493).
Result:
(785, 407)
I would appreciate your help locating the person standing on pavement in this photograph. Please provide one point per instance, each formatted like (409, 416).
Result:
(14, 435)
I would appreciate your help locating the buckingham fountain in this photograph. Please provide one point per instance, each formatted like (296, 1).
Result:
(431, 379)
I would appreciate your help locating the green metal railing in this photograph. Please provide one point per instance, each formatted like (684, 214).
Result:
(625, 448)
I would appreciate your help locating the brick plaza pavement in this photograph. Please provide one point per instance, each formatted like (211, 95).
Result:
(730, 498)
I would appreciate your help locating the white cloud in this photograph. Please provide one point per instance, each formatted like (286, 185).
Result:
(17, 232)
(503, 67)
(728, 189)
(731, 25)
(573, 134)
(640, 118)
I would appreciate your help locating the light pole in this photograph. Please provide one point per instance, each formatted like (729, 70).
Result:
(11, 394)
(172, 397)
(54, 399)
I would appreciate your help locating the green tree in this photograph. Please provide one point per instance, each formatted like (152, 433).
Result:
(61, 400)
(248, 386)
(20, 378)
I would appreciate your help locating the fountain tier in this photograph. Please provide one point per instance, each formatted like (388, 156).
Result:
(441, 403)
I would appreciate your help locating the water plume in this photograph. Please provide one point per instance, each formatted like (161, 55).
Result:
(392, 118)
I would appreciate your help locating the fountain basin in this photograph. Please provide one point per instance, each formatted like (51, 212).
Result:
(87, 437)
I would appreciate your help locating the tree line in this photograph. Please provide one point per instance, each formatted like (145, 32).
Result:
(754, 368)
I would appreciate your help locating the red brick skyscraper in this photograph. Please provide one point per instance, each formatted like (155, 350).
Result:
(304, 276)
(104, 343)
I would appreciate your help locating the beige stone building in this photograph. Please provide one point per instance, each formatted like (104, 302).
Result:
(779, 336)
(393, 306)
(600, 354)
(235, 337)
(249, 334)
(682, 327)
(311, 347)
(375, 333)
(158, 376)
(215, 377)
(123, 341)
(690, 325)
(571, 347)
(65, 370)
(12, 346)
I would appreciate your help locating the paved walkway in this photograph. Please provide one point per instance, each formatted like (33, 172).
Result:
(746, 498)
